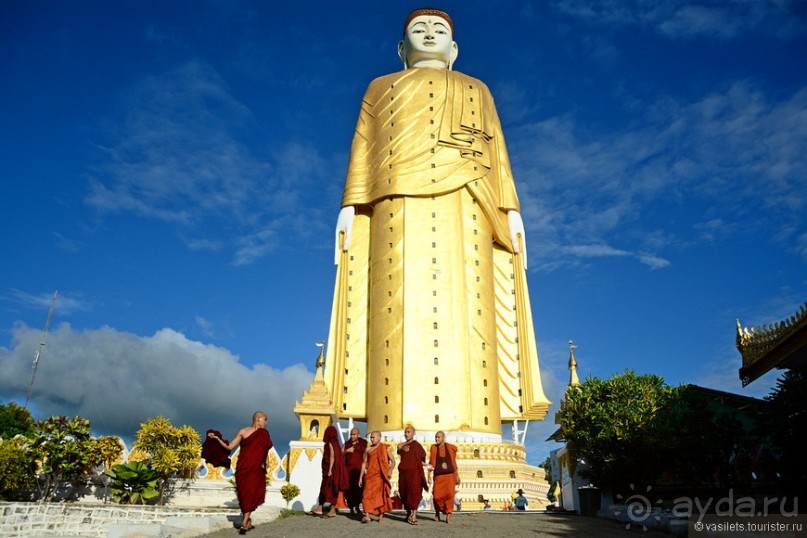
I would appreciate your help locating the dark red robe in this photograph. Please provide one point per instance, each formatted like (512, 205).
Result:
(411, 478)
(250, 470)
(331, 485)
(212, 451)
(353, 462)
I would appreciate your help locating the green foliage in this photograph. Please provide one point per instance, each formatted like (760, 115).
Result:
(288, 492)
(614, 428)
(15, 420)
(787, 426)
(17, 468)
(105, 451)
(699, 440)
(63, 448)
(173, 452)
(633, 429)
(547, 467)
(133, 483)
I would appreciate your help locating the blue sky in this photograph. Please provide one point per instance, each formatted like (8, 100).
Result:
(175, 170)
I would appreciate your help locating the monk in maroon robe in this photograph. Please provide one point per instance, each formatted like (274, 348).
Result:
(353, 451)
(334, 473)
(250, 469)
(411, 478)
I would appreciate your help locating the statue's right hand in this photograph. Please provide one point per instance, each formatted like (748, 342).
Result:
(344, 225)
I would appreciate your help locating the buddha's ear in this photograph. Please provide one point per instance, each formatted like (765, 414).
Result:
(402, 53)
(452, 57)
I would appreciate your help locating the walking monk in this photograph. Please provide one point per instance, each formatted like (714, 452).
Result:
(443, 463)
(250, 469)
(411, 478)
(334, 474)
(353, 451)
(375, 477)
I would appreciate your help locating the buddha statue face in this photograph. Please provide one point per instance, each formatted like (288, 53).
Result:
(428, 41)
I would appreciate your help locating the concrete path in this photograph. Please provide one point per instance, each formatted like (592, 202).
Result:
(466, 524)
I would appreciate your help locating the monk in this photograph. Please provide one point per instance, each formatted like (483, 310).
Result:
(411, 478)
(353, 452)
(250, 469)
(374, 477)
(334, 474)
(443, 464)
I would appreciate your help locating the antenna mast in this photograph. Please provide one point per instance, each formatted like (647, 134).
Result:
(41, 347)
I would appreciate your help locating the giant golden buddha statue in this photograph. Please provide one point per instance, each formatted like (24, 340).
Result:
(431, 322)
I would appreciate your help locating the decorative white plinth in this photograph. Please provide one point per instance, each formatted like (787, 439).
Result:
(305, 472)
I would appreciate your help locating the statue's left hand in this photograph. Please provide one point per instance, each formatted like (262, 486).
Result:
(516, 226)
(344, 224)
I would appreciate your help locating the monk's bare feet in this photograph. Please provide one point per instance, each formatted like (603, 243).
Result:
(448, 519)
(380, 519)
(365, 519)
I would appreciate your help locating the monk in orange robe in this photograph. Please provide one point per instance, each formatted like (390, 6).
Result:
(250, 469)
(443, 464)
(378, 463)
(411, 478)
(353, 451)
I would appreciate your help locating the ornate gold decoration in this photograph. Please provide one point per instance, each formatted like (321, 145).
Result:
(765, 347)
(316, 411)
(311, 452)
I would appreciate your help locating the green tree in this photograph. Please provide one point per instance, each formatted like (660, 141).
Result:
(786, 425)
(700, 451)
(547, 467)
(15, 420)
(613, 425)
(173, 452)
(63, 447)
(17, 469)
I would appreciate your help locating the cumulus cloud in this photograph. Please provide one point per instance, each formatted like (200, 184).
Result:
(119, 380)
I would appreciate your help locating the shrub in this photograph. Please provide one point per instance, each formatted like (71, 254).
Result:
(133, 483)
(17, 468)
(173, 452)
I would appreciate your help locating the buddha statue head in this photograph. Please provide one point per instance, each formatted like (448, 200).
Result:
(428, 40)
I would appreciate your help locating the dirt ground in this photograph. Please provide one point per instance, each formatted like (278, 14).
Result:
(467, 524)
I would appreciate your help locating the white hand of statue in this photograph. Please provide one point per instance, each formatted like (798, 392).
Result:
(343, 224)
(516, 226)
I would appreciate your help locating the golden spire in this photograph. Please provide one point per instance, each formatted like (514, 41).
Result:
(573, 379)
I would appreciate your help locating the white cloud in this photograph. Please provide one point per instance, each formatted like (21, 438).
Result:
(66, 303)
(739, 152)
(724, 19)
(119, 380)
(184, 154)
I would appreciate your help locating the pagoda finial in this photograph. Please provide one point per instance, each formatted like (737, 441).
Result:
(320, 364)
(573, 379)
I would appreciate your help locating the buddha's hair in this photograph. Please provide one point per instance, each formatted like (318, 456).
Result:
(429, 11)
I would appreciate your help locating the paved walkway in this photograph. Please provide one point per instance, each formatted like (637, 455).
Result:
(466, 524)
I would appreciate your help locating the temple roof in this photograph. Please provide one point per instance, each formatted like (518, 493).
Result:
(781, 345)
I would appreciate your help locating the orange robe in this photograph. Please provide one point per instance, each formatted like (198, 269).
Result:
(376, 496)
(446, 473)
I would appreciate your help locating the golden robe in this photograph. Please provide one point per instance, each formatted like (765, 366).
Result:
(430, 291)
